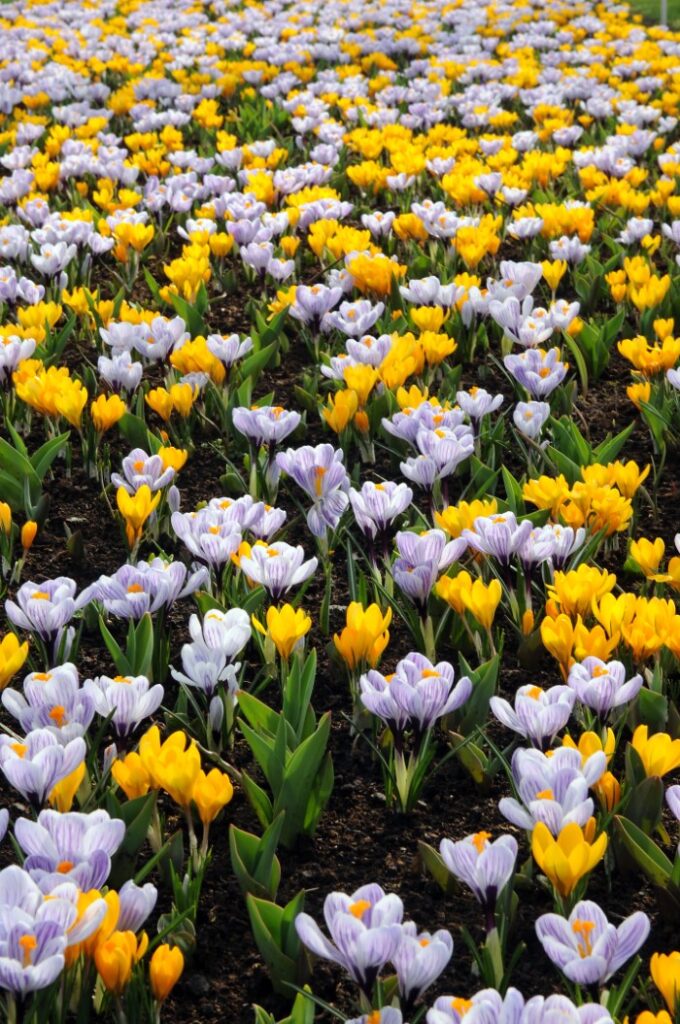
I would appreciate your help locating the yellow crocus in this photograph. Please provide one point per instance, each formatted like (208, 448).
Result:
(64, 793)
(341, 409)
(659, 753)
(665, 971)
(285, 627)
(12, 656)
(106, 411)
(116, 957)
(568, 858)
(482, 600)
(165, 969)
(130, 774)
(365, 636)
(135, 510)
(212, 791)
(647, 554)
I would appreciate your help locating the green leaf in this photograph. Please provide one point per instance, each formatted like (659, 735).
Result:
(647, 855)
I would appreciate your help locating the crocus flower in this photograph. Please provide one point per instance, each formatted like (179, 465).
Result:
(376, 506)
(13, 654)
(419, 960)
(286, 627)
(539, 372)
(365, 930)
(69, 847)
(365, 636)
(673, 800)
(538, 714)
(586, 947)
(45, 608)
(416, 695)
(665, 971)
(489, 1007)
(567, 858)
(134, 590)
(659, 753)
(322, 476)
(422, 557)
(135, 904)
(128, 700)
(135, 510)
(530, 418)
(165, 970)
(39, 762)
(485, 1007)
(500, 535)
(208, 535)
(602, 686)
(552, 789)
(387, 1015)
(486, 867)
(54, 701)
(267, 424)
(277, 567)
(141, 469)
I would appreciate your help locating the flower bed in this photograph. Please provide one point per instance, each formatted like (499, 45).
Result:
(338, 466)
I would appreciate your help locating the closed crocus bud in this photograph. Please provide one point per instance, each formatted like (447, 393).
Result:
(28, 534)
(131, 775)
(5, 517)
(665, 971)
(116, 957)
(211, 792)
(165, 969)
(12, 657)
(106, 411)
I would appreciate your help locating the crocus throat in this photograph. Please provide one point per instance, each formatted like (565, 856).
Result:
(480, 839)
(359, 908)
(583, 930)
(28, 944)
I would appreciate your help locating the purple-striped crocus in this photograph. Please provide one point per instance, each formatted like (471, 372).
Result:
(586, 947)
(499, 535)
(365, 932)
(538, 715)
(489, 1007)
(266, 424)
(277, 567)
(35, 930)
(36, 764)
(45, 608)
(320, 473)
(673, 800)
(602, 686)
(54, 701)
(376, 506)
(208, 536)
(422, 557)
(140, 468)
(419, 960)
(552, 789)
(126, 700)
(485, 1007)
(133, 590)
(416, 695)
(486, 867)
(69, 847)
(386, 1015)
(135, 904)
